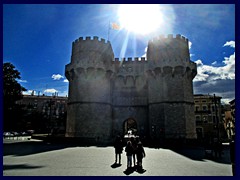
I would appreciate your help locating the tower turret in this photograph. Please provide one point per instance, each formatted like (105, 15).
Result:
(89, 105)
(170, 90)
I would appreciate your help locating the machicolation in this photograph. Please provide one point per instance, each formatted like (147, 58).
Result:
(152, 97)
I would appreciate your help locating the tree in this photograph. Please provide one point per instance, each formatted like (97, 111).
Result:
(12, 91)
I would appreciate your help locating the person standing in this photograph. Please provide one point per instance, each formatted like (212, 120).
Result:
(118, 145)
(129, 153)
(140, 155)
(232, 154)
(134, 145)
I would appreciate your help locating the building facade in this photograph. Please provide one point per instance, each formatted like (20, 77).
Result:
(44, 114)
(209, 117)
(150, 97)
(230, 120)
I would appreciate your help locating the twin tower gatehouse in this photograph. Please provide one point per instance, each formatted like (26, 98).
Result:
(151, 98)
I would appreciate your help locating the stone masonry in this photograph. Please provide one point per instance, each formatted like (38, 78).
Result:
(153, 97)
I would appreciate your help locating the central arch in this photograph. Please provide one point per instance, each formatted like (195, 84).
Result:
(130, 125)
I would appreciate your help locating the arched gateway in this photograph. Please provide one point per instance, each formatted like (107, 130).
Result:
(130, 127)
(104, 92)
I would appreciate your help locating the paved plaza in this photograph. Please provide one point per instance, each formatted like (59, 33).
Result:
(25, 157)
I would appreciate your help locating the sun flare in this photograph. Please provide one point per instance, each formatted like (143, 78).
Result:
(140, 18)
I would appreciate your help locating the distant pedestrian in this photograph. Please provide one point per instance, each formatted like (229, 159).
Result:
(118, 145)
(220, 148)
(216, 147)
(140, 155)
(134, 145)
(232, 154)
(129, 153)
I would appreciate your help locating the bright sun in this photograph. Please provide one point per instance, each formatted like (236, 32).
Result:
(140, 18)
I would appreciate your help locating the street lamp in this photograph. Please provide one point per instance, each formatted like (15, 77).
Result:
(216, 115)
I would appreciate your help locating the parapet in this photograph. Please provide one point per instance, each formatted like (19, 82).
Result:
(88, 38)
(130, 59)
(91, 46)
(169, 37)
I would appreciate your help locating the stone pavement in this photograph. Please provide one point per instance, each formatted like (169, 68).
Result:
(38, 158)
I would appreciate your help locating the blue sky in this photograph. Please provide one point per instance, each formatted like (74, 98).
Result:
(37, 39)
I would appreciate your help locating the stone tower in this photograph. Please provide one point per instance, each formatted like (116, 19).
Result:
(89, 114)
(170, 89)
(153, 97)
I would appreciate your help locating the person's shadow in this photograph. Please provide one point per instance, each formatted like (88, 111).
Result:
(129, 171)
(115, 165)
(141, 171)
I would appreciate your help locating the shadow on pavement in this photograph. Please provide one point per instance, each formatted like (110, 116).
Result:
(131, 170)
(199, 154)
(20, 166)
(115, 165)
(30, 147)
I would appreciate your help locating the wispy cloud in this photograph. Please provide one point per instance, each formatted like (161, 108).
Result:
(50, 90)
(22, 81)
(57, 76)
(230, 43)
(215, 62)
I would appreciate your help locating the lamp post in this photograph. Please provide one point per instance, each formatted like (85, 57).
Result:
(216, 114)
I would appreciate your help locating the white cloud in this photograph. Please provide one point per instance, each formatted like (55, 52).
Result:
(215, 62)
(65, 80)
(57, 76)
(210, 73)
(29, 92)
(199, 62)
(189, 44)
(50, 90)
(230, 43)
(145, 52)
(219, 80)
(22, 81)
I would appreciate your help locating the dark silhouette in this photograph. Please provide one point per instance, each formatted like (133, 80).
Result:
(134, 145)
(12, 92)
(128, 171)
(118, 145)
(140, 155)
(129, 153)
(217, 148)
(114, 165)
(232, 154)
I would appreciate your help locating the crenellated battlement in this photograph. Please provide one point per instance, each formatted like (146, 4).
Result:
(93, 49)
(169, 37)
(130, 59)
(155, 91)
(94, 39)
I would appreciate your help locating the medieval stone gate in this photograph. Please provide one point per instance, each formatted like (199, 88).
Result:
(156, 92)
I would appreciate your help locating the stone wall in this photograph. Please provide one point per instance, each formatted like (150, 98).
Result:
(156, 92)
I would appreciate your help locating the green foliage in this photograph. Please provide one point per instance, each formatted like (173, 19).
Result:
(12, 91)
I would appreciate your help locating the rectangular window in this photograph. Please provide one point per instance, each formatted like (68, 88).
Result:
(204, 108)
(197, 108)
(214, 119)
